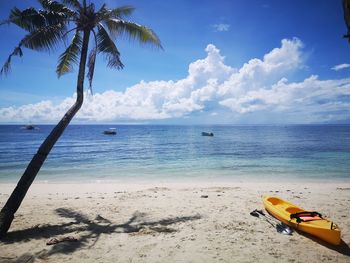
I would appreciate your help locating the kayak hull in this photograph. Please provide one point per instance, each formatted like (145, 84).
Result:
(321, 228)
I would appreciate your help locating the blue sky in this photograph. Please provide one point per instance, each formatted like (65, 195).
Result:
(232, 62)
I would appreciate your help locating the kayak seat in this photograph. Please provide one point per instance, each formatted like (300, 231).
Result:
(274, 200)
(293, 210)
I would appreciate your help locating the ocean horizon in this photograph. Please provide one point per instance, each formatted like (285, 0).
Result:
(180, 152)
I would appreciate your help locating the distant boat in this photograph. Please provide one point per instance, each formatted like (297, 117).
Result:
(30, 127)
(207, 134)
(110, 131)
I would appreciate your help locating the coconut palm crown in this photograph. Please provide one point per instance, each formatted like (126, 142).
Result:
(46, 28)
(50, 25)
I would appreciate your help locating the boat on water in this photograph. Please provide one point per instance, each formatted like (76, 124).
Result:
(310, 222)
(207, 134)
(30, 127)
(110, 131)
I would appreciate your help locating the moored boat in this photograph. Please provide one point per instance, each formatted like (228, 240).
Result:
(110, 131)
(310, 222)
(207, 134)
(30, 127)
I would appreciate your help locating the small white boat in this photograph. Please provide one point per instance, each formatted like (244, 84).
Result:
(110, 131)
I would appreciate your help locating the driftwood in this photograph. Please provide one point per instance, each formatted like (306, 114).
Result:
(55, 240)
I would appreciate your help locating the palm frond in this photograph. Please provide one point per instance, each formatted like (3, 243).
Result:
(48, 27)
(3, 22)
(6, 68)
(42, 39)
(107, 46)
(133, 31)
(122, 11)
(45, 38)
(91, 66)
(102, 12)
(30, 19)
(54, 6)
(72, 3)
(119, 13)
(70, 55)
(51, 5)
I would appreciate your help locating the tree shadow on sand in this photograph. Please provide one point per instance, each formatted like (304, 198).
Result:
(90, 230)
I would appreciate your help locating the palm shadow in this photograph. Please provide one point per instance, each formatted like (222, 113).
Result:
(88, 230)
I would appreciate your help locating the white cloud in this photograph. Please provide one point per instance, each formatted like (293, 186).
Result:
(259, 91)
(221, 27)
(340, 67)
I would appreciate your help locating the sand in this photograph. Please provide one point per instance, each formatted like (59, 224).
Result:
(188, 222)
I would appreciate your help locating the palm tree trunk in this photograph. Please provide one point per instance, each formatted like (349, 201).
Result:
(18, 194)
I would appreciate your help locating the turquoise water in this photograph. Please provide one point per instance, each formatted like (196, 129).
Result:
(140, 152)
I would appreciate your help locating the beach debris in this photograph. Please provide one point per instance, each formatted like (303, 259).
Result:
(204, 196)
(343, 188)
(57, 240)
(143, 231)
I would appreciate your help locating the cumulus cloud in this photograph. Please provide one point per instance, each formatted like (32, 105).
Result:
(221, 27)
(213, 90)
(340, 67)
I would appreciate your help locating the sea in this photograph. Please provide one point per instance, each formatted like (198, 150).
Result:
(179, 152)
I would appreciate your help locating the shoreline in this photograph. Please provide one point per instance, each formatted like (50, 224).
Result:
(196, 180)
(109, 186)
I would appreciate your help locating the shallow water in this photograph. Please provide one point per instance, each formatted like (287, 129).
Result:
(84, 153)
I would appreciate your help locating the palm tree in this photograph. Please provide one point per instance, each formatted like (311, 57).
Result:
(46, 29)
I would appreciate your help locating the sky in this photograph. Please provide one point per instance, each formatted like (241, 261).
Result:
(224, 62)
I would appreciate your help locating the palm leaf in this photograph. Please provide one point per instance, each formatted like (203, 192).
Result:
(6, 68)
(42, 39)
(106, 45)
(70, 55)
(46, 38)
(51, 5)
(134, 31)
(45, 31)
(104, 13)
(72, 3)
(54, 6)
(30, 19)
(91, 66)
(122, 11)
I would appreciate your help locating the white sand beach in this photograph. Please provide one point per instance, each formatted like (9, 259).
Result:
(194, 222)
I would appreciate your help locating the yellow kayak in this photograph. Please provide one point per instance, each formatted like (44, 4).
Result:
(309, 222)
